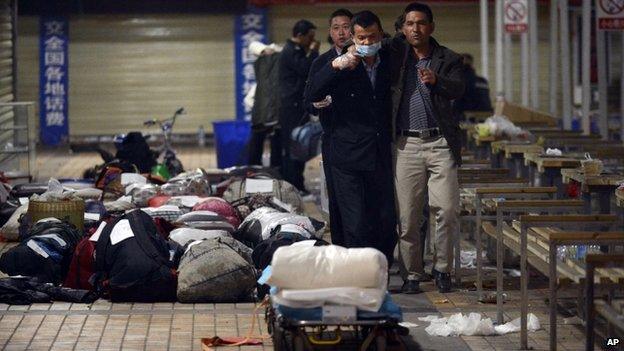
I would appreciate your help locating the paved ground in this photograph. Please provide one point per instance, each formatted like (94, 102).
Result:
(167, 326)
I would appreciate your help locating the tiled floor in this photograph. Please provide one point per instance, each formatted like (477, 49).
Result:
(167, 326)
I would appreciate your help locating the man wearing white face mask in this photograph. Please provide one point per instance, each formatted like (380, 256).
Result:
(361, 159)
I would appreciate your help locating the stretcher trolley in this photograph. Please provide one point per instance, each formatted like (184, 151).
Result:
(334, 328)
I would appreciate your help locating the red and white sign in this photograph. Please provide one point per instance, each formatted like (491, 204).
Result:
(610, 14)
(516, 16)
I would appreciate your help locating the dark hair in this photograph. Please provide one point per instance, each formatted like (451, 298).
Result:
(365, 19)
(416, 6)
(340, 13)
(302, 27)
(400, 21)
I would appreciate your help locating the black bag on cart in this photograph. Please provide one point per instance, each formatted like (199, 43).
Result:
(133, 262)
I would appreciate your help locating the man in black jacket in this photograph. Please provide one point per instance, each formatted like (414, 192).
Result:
(359, 143)
(340, 33)
(426, 77)
(294, 64)
(265, 110)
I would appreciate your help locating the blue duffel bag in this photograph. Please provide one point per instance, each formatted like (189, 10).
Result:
(305, 141)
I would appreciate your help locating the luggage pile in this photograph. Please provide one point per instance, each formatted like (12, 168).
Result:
(203, 236)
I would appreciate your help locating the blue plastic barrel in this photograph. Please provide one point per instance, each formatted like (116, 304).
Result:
(231, 139)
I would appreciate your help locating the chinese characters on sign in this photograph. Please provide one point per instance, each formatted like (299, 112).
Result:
(249, 27)
(53, 64)
(610, 15)
(516, 16)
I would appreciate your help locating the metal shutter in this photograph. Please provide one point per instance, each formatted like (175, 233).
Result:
(126, 69)
(6, 51)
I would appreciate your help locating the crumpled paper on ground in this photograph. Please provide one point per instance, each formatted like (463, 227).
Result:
(474, 325)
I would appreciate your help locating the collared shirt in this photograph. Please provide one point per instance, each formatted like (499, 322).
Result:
(372, 71)
(416, 109)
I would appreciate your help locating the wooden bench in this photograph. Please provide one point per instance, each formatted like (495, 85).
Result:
(612, 311)
(482, 206)
(602, 185)
(536, 238)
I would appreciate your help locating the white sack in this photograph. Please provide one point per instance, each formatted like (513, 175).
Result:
(301, 267)
(364, 299)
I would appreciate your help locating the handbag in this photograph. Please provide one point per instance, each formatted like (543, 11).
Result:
(305, 140)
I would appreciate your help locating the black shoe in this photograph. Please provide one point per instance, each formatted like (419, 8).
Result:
(442, 281)
(410, 287)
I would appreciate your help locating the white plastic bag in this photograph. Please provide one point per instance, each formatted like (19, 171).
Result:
(364, 299)
(500, 125)
(473, 324)
(553, 152)
(317, 267)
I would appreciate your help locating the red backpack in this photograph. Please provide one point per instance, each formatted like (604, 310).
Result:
(81, 267)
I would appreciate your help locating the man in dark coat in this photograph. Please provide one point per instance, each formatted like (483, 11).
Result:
(359, 143)
(426, 77)
(340, 33)
(294, 65)
(477, 93)
(265, 111)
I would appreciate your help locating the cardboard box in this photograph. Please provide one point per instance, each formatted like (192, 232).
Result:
(523, 116)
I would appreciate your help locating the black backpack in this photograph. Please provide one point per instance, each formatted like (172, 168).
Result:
(138, 268)
(44, 252)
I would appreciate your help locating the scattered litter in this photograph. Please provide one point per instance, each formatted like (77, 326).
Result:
(533, 324)
(553, 152)
(408, 325)
(468, 258)
(513, 273)
(501, 126)
(473, 324)
(491, 298)
(429, 318)
(441, 301)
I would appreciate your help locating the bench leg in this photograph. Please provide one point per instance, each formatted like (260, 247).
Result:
(524, 297)
(499, 267)
(587, 202)
(589, 307)
(533, 176)
(479, 247)
(604, 201)
(552, 285)
(458, 257)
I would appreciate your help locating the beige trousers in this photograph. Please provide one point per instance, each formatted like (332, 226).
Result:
(421, 164)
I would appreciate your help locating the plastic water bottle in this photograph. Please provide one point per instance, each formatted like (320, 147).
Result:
(201, 136)
(562, 253)
(581, 252)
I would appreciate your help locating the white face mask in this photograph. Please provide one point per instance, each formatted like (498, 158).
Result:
(368, 50)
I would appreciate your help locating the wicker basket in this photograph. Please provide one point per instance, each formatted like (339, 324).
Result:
(70, 210)
(591, 167)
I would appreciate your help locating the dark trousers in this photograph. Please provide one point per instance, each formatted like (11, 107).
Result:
(365, 200)
(335, 223)
(256, 146)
